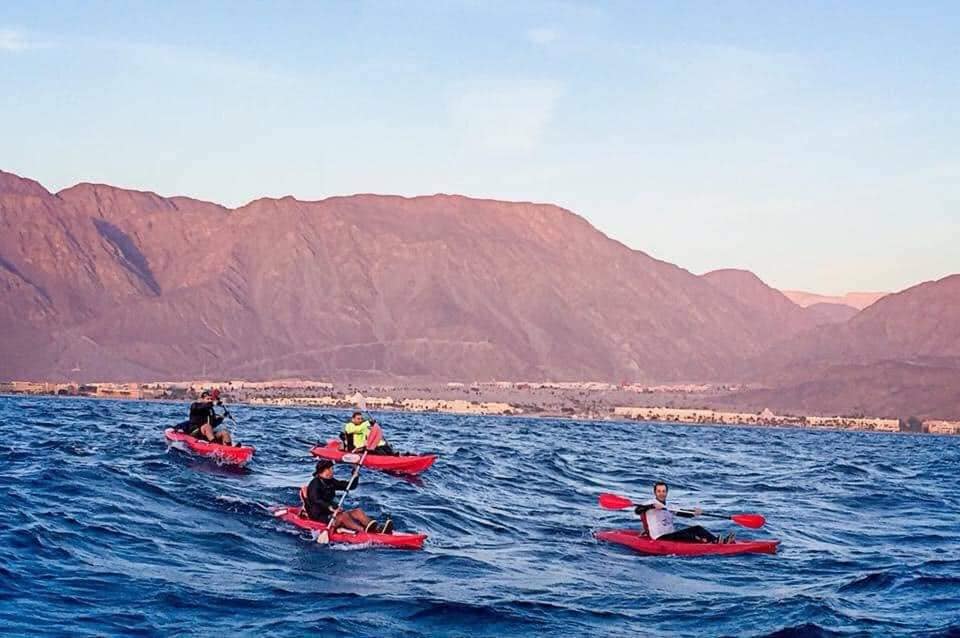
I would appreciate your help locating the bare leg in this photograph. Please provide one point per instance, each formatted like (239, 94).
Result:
(345, 520)
(359, 517)
(224, 437)
(207, 431)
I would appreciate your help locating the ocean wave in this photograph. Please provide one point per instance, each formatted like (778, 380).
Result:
(106, 529)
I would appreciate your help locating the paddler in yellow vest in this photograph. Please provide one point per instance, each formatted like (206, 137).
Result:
(355, 432)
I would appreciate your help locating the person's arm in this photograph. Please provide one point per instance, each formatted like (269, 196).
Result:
(345, 485)
(646, 507)
(213, 418)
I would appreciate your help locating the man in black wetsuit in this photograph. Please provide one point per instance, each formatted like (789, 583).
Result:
(319, 499)
(204, 420)
(658, 521)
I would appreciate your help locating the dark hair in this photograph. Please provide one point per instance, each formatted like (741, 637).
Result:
(658, 484)
(357, 414)
(322, 465)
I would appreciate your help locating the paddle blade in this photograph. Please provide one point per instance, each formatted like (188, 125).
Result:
(373, 438)
(614, 502)
(749, 520)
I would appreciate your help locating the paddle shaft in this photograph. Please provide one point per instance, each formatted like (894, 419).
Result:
(613, 501)
(343, 497)
(704, 514)
(372, 439)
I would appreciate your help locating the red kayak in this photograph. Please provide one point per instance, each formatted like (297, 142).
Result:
(399, 541)
(223, 453)
(645, 545)
(396, 464)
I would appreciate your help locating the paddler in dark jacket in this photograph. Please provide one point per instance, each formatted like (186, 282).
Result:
(319, 499)
(204, 420)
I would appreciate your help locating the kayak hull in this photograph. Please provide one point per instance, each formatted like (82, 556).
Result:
(394, 464)
(223, 453)
(642, 543)
(397, 541)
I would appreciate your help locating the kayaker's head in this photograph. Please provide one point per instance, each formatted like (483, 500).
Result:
(357, 418)
(324, 469)
(660, 491)
(215, 394)
(206, 396)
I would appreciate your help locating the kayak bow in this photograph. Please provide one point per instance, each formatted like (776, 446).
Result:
(224, 453)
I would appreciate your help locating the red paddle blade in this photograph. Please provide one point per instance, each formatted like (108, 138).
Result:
(749, 520)
(373, 438)
(614, 502)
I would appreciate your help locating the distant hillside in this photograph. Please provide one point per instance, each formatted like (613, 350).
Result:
(98, 282)
(857, 300)
(122, 284)
(890, 389)
(830, 312)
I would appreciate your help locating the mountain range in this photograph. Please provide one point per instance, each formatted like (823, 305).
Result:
(855, 300)
(99, 282)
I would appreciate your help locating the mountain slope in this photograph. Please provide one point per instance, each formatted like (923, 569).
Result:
(822, 313)
(890, 389)
(142, 286)
(856, 300)
(99, 282)
(919, 324)
(775, 316)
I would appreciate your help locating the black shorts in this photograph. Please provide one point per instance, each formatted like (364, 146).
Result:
(384, 450)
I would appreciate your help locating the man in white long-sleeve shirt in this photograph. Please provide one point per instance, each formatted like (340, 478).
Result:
(658, 521)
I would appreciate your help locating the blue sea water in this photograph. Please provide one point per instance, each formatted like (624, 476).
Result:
(104, 530)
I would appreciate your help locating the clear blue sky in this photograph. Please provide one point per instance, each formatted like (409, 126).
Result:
(815, 143)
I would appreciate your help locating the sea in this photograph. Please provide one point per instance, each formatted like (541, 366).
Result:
(106, 530)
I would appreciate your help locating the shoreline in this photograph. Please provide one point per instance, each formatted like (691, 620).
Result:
(653, 414)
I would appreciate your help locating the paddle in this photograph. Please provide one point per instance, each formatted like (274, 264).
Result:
(372, 439)
(226, 414)
(614, 502)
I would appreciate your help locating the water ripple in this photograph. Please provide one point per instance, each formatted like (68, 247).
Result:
(106, 530)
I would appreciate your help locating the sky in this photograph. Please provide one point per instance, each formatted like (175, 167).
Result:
(815, 143)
